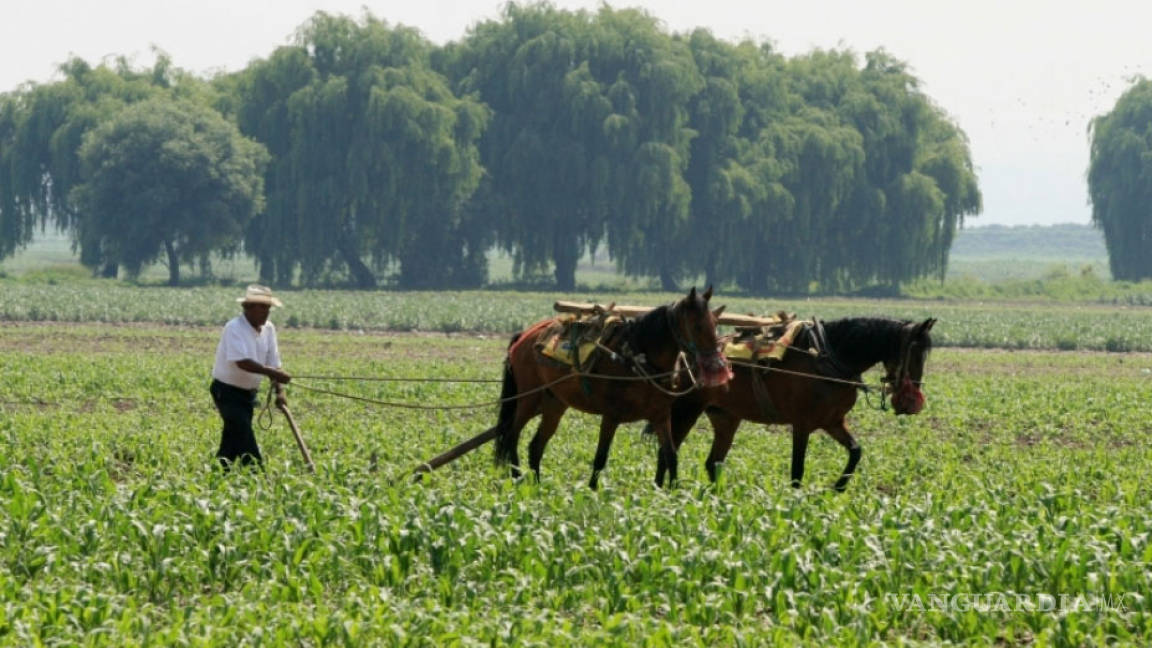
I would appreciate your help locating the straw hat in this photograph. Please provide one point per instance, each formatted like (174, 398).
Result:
(257, 294)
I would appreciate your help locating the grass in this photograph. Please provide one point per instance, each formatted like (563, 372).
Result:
(1026, 474)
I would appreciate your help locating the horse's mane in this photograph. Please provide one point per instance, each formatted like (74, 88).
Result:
(650, 326)
(865, 340)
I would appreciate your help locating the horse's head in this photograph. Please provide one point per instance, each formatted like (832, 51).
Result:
(906, 369)
(694, 327)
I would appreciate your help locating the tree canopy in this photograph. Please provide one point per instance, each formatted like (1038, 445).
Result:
(1120, 181)
(167, 178)
(545, 132)
(373, 157)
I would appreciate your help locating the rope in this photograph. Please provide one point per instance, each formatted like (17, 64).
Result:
(499, 401)
(652, 379)
(266, 424)
(753, 365)
(862, 386)
(397, 379)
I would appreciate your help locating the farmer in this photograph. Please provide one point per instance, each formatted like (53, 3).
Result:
(247, 351)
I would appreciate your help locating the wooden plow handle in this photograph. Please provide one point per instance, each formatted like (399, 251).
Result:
(299, 439)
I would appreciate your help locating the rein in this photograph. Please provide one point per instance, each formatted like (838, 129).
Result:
(265, 422)
(394, 379)
(636, 360)
(823, 350)
(752, 365)
(500, 401)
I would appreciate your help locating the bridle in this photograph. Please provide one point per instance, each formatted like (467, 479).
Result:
(688, 346)
(711, 361)
(907, 345)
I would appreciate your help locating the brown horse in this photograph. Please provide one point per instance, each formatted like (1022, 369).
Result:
(613, 385)
(811, 392)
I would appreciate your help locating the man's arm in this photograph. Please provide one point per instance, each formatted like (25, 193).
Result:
(279, 376)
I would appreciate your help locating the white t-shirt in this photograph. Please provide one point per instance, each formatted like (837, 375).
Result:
(239, 342)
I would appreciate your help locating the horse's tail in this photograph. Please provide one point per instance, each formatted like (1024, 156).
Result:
(505, 443)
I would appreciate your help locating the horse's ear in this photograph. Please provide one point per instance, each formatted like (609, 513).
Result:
(716, 313)
(692, 293)
(708, 293)
(927, 325)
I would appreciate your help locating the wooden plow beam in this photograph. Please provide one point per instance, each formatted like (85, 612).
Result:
(730, 319)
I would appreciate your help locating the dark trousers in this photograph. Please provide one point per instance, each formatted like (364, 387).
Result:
(237, 440)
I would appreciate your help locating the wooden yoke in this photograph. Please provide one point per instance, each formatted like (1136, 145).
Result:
(731, 319)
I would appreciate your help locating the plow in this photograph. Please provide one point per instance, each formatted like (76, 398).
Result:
(601, 359)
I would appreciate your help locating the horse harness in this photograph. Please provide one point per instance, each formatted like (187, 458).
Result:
(604, 332)
(823, 354)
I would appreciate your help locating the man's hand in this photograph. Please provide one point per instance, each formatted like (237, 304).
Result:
(277, 375)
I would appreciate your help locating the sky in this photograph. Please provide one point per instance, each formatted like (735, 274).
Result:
(1022, 78)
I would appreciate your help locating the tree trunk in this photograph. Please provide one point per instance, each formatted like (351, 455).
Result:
(110, 270)
(265, 269)
(710, 270)
(667, 281)
(564, 255)
(362, 275)
(173, 264)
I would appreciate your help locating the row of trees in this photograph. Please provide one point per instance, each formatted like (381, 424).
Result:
(1120, 182)
(363, 151)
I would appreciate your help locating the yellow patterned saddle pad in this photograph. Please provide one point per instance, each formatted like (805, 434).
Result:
(769, 343)
(573, 339)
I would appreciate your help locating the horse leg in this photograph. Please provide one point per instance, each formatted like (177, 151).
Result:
(684, 415)
(799, 451)
(667, 457)
(608, 427)
(526, 410)
(553, 408)
(724, 426)
(844, 437)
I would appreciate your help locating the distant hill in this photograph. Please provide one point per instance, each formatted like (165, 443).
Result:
(996, 253)
(1067, 241)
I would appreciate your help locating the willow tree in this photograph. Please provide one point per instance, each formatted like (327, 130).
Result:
(1120, 181)
(650, 79)
(259, 99)
(944, 157)
(374, 157)
(168, 179)
(41, 130)
(885, 175)
(919, 183)
(544, 150)
(17, 225)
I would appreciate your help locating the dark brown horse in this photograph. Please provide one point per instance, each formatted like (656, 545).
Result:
(613, 385)
(811, 392)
